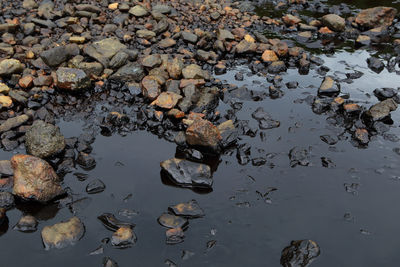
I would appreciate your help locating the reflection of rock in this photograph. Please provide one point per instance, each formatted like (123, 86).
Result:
(172, 221)
(112, 223)
(63, 234)
(27, 223)
(299, 156)
(187, 173)
(300, 253)
(34, 179)
(190, 209)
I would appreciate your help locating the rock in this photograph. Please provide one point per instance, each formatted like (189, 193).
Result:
(225, 35)
(131, 72)
(63, 234)
(150, 87)
(34, 179)
(146, 34)
(269, 56)
(162, 9)
(300, 253)
(291, 20)
(151, 61)
(26, 82)
(277, 67)
(187, 173)
(104, 50)
(77, 39)
(172, 221)
(228, 132)
(264, 119)
(72, 79)
(375, 17)
(108, 262)
(220, 69)
(124, 237)
(5, 101)
(174, 236)
(96, 186)
(363, 40)
(175, 68)
(245, 47)
(111, 223)
(203, 133)
(189, 37)
(167, 100)
(329, 87)
(29, 4)
(27, 224)
(361, 136)
(44, 140)
(10, 66)
(375, 64)
(6, 168)
(385, 93)
(194, 71)
(6, 200)
(85, 161)
(4, 89)
(55, 56)
(166, 43)
(382, 110)
(91, 68)
(299, 156)
(138, 11)
(13, 122)
(190, 209)
(334, 22)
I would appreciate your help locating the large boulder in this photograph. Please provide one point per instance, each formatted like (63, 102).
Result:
(44, 140)
(34, 179)
(376, 17)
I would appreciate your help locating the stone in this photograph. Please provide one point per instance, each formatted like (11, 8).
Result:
(146, 34)
(203, 133)
(334, 22)
(375, 17)
(85, 161)
(166, 43)
(124, 237)
(96, 186)
(63, 234)
(264, 119)
(26, 224)
(172, 221)
(189, 37)
(299, 156)
(6, 168)
(131, 72)
(245, 47)
(34, 179)
(382, 110)
(363, 40)
(167, 100)
(190, 209)
(361, 136)
(194, 71)
(10, 66)
(151, 61)
(138, 11)
(44, 140)
(162, 9)
(375, 64)
(104, 50)
(5, 101)
(150, 87)
(225, 35)
(175, 68)
(72, 79)
(77, 39)
(13, 122)
(111, 223)
(269, 56)
(4, 89)
(118, 60)
(277, 67)
(291, 20)
(329, 87)
(26, 82)
(300, 253)
(6, 200)
(187, 173)
(55, 56)
(174, 236)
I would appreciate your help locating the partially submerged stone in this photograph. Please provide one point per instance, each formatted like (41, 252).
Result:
(174, 236)
(63, 234)
(124, 237)
(329, 87)
(187, 173)
(26, 224)
(382, 109)
(299, 156)
(111, 223)
(34, 179)
(172, 221)
(190, 209)
(300, 253)
(44, 139)
(375, 17)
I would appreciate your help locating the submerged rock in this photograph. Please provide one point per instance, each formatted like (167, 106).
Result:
(190, 209)
(174, 236)
(27, 224)
(299, 156)
(264, 119)
(63, 234)
(95, 186)
(300, 253)
(172, 221)
(112, 223)
(44, 140)
(187, 173)
(124, 237)
(34, 179)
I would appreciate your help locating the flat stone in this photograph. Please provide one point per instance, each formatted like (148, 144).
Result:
(146, 34)
(329, 87)
(63, 234)
(13, 122)
(194, 71)
(189, 37)
(172, 221)
(167, 100)
(131, 72)
(190, 209)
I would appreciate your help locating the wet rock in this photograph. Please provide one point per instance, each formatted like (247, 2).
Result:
(299, 156)
(104, 50)
(172, 221)
(108, 262)
(13, 122)
(245, 47)
(203, 133)
(85, 160)
(361, 136)
(174, 236)
(334, 22)
(300, 253)
(124, 237)
(375, 17)
(131, 72)
(327, 162)
(329, 139)
(375, 64)
(329, 87)
(264, 119)
(363, 40)
(167, 100)
(190, 209)
(291, 20)
(269, 56)
(277, 67)
(44, 140)
(10, 66)
(63, 234)
(187, 173)
(6, 168)
(55, 56)
(385, 93)
(6, 200)
(34, 179)
(26, 224)
(194, 71)
(229, 133)
(382, 109)
(150, 87)
(112, 223)
(71, 79)
(96, 186)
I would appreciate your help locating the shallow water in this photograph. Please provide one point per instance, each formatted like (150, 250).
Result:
(353, 225)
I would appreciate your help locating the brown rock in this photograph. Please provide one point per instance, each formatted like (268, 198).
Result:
(375, 17)
(5, 101)
(167, 100)
(150, 87)
(291, 20)
(26, 82)
(269, 56)
(34, 179)
(63, 234)
(203, 133)
(245, 47)
(175, 68)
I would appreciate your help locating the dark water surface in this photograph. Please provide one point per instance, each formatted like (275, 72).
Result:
(351, 211)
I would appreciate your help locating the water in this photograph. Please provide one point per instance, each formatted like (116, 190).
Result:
(350, 211)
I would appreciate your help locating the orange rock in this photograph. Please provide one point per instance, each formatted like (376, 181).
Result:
(269, 56)
(203, 133)
(167, 100)
(5, 101)
(26, 82)
(195, 82)
(150, 87)
(113, 6)
(351, 107)
(325, 30)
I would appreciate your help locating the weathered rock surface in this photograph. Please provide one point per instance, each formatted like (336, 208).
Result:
(34, 179)
(203, 133)
(13, 122)
(375, 17)
(300, 253)
(167, 100)
(131, 72)
(382, 109)
(190, 209)
(44, 139)
(329, 87)
(63, 234)
(334, 22)
(71, 79)
(10, 66)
